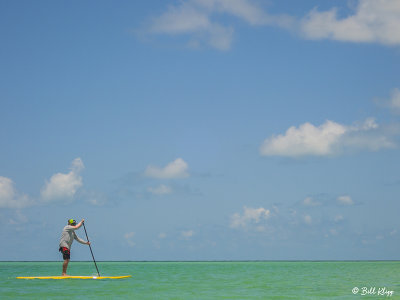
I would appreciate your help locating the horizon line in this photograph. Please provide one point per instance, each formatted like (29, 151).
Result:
(251, 260)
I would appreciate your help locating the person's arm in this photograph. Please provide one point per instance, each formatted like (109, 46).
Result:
(77, 226)
(80, 240)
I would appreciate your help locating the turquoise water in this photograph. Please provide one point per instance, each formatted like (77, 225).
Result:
(203, 280)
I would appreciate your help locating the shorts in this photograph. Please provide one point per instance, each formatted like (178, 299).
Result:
(65, 252)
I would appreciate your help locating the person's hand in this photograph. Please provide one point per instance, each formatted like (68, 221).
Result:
(88, 243)
(83, 220)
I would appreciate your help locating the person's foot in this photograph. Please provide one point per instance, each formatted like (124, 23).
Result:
(64, 274)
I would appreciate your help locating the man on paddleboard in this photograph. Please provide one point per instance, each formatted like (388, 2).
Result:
(67, 237)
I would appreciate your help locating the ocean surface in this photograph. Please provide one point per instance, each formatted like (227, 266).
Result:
(206, 280)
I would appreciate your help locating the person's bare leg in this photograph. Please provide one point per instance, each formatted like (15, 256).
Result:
(65, 266)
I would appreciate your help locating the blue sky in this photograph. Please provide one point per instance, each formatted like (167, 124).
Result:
(201, 129)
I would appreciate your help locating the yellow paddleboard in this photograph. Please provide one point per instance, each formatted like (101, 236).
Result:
(76, 277)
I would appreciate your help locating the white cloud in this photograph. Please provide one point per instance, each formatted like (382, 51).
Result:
(162, 235)
(9, 196)
(327, 139)
(187, 234)
(310, 202)
(160, 190)
(18, 218)
(395, 100)
(197, 18)
(333, 231)
(373, 21)
(345, 200)
(176, 169)
(305, 140)
(129, 238)
(189, 18)
(338, 218)
(246, 10)
(393, 103)
(250, 216)
(64, 186)
(307, 219)
(95, 198)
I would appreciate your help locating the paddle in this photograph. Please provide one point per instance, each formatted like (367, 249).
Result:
(90, 247)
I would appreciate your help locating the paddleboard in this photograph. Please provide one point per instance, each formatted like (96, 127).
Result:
(75, 277)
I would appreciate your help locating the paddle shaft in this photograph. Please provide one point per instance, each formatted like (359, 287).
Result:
(90, 247)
